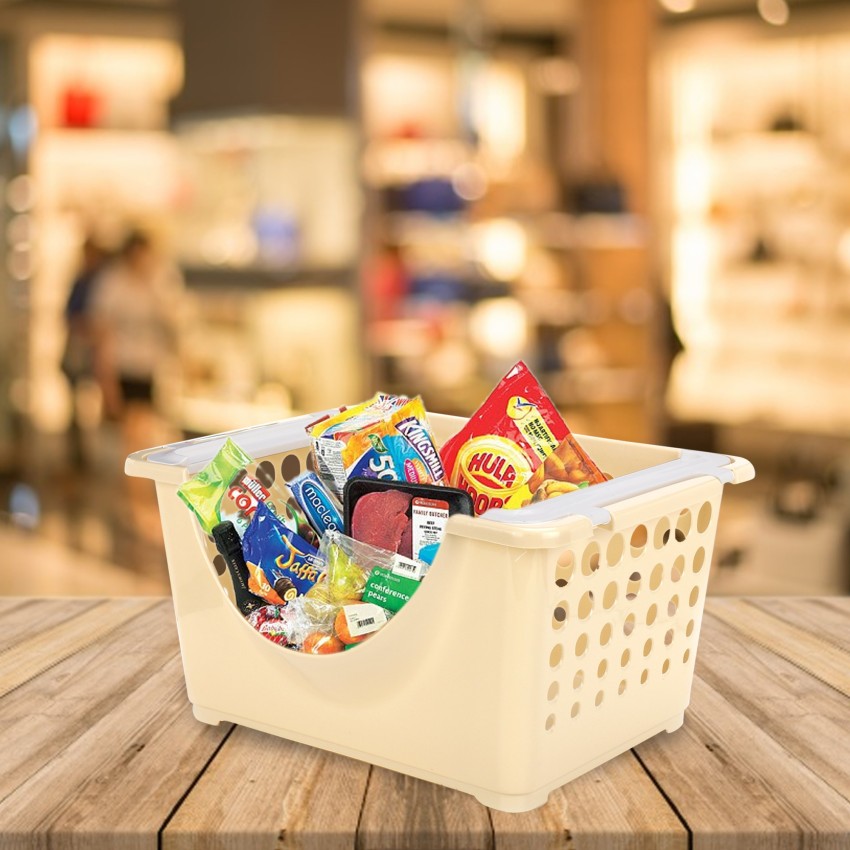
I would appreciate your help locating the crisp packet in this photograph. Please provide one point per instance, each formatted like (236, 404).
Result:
(386, 437)
(231, 486)
(495, 455)
(290, 565)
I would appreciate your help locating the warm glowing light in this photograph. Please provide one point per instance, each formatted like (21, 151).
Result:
(678, 6)
(774, 12)
(469, 181)
(500, 246)
(499, 327)
(498, 110)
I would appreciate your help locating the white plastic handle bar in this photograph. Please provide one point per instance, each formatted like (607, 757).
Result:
(592, 502)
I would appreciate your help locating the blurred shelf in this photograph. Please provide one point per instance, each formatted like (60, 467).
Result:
(259, 277)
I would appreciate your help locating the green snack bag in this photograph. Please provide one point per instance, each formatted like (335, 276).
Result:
(388, 589)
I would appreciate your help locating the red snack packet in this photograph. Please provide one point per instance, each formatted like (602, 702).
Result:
(495, 455)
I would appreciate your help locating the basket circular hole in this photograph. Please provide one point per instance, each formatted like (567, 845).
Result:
(629, 625)
(668, 637)
(647, 647)
(290, 466)
(578, 679)
(550, 722)
(266, 473)
(638, 540)
(644, 676)
(615, 550)
(585, 605)
(655, 577)
(590, 559)
(581, 645)
(602, 669)
(673, 605)
(609, 597)
(575, 709)
(556, 655)
(692, 599)
(564, 568)
(665, 666)
(605, 634)
(704, 517)
(622, 688)
(699, 559)
(311, 462)
(220, 565)
(651, 614)
(683, 525)
(552, 693)
(625, 658)
(662, 532)
(689, 629)
(633, 586)
(685, 656)
(600, 696)
(559, 615)
(678, 568)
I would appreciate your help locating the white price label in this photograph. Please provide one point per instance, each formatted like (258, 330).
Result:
(364, 618)
(409, 569)
(429, 518)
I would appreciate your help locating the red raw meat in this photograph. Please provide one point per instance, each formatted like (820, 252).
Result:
(380, 519)
(405, 546)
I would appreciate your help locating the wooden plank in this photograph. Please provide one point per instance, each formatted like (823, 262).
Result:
(118, 782)
(27, 659)
(403, 813)
(28, 617)
(807, 717)
(737, 788)
(614, 807)
(828, 619)
(46, 714)
(264, 792)
(819, 657)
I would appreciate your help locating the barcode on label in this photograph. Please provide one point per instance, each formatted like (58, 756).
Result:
(364, 618)
(405, 567)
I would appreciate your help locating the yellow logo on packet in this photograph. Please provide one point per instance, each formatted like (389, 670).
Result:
(490, 468)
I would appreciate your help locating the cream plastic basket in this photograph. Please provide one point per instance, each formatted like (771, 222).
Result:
(543, 642)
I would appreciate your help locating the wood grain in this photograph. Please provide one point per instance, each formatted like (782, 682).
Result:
(23, 618)
(614, 807)
(120, 779)
(53, 643)
(826, 619)
(403, 813)
(262, 792)
(46, 714)
(810, 652)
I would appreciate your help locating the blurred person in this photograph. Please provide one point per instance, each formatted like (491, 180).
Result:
(78, 358)
(136, 306)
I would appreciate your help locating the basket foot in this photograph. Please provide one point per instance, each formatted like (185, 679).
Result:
(675, 722)
(513, 803)
(205, 715)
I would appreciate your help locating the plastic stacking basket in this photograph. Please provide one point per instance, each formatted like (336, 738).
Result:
(543, 642)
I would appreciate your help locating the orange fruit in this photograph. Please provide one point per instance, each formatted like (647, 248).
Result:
(341, 629)
(320, 643)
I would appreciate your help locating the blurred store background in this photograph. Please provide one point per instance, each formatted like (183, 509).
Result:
(648, 200)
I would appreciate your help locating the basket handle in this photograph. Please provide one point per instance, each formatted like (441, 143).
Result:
(592, 502)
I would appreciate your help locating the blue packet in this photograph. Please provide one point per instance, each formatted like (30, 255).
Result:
(290, 564)
(316, 502)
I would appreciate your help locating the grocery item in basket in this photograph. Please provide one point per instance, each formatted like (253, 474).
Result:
(231, 486)
(386, 437)
(568, 468)
(400, 516)
(322, 643)
(291, 566)
(356, 621)
(318, 505)
(275, 622)
(389, 589)
(230, 548)
(505, 441)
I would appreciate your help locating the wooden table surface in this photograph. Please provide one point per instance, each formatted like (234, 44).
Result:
(99, 749)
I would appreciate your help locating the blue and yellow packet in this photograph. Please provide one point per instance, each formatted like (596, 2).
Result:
(289, 563)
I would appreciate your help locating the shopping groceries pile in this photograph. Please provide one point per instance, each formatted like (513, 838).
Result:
(323, 562)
